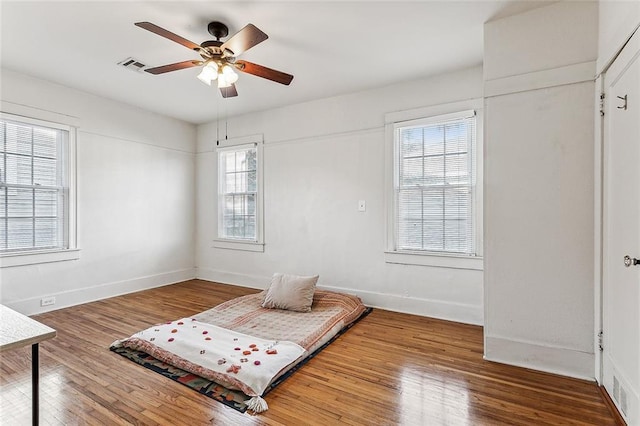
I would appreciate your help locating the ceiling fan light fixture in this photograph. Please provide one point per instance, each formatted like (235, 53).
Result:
(226, 77)
(209, 73)
(223, 82)
(229, 73)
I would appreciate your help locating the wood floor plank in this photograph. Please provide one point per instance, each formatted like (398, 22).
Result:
(390, 368)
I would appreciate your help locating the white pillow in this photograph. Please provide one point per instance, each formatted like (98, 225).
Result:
(290, 292)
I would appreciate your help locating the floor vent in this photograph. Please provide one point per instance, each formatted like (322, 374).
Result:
(132, 64)
(623, 400)
(620, 395)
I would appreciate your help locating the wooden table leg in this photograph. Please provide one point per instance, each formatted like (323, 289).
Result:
(35, 381)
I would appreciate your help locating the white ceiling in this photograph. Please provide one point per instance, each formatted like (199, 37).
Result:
(330, 47)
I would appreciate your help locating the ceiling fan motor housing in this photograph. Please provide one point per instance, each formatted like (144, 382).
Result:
(212, 43)
(212, 47)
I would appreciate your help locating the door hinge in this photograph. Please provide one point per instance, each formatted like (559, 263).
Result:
(600, 341)
(602, 104)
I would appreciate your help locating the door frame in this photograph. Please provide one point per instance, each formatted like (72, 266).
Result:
(598, 224)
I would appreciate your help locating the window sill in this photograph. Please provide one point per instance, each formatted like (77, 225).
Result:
(239, 245)
(8, 260)
(436, 260)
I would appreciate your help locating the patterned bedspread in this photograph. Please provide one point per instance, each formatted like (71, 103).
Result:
(330, 312)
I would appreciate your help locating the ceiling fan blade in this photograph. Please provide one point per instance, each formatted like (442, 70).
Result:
(229, 92)
(168, 34)
(244, 39)
(173, 67)
(264, 72)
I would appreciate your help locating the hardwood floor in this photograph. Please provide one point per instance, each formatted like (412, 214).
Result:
(390, 368)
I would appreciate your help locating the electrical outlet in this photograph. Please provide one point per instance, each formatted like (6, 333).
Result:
(362, 205)
(48, 301)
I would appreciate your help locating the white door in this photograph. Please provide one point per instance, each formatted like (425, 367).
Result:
(621, 233)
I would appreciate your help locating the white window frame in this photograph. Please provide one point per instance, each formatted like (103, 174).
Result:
(32, 116)
(234, 244)
(427, 258)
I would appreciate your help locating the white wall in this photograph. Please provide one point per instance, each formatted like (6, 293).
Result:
(320, 158)
(539, 189)
(554, 36)
(617, 20)
(135, 198)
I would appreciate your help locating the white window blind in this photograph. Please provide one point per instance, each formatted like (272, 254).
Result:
(434, 184)
(33, 187)
(238, 193)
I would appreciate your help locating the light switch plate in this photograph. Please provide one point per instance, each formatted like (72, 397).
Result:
(362, 205)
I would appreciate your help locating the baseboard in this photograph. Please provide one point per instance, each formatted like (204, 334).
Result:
(232, 278)
(103, 291)
(562, 361)
(468, 314)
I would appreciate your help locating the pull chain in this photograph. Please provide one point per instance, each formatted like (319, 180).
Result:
(217, 123)
(226, 123)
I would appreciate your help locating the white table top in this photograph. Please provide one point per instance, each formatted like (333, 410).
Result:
(17, 330)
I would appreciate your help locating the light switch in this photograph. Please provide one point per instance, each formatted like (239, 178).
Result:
(362, 205)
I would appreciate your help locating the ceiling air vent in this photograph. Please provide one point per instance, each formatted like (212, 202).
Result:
(132, 64)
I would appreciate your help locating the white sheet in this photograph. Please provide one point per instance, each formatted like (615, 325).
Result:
(218, 353)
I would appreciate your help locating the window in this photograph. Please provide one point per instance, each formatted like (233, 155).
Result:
(239, 196)
(435, 202)
(34, 186)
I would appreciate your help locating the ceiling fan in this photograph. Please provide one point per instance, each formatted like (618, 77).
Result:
(218, 57)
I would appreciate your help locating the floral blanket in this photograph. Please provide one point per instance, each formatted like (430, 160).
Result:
(235, 359)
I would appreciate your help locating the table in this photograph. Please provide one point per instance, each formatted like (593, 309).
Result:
(16, 331)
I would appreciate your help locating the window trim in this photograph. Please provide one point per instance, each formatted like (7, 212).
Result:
(37, 257)
(67, 123)
(229, 243)
(430, 258)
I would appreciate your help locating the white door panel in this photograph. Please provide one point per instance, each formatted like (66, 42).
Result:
(621, 227)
